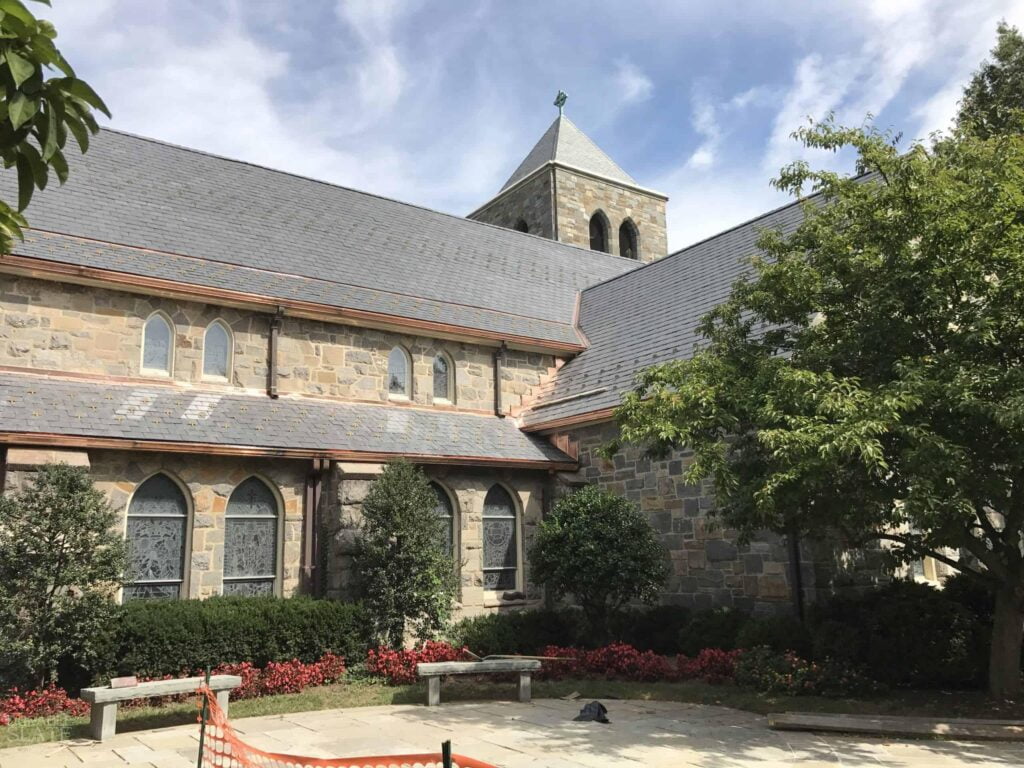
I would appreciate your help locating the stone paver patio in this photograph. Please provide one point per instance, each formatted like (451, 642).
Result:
(538, 735)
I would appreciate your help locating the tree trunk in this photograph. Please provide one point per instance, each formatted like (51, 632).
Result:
(1004, 678)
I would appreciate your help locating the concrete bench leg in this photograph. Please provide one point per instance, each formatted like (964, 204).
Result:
(102, 720)
(524, 687)
(222, 701)
(433, 691)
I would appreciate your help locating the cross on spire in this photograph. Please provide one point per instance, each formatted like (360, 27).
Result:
(560, 101)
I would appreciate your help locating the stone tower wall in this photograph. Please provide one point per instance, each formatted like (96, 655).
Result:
(529, 201)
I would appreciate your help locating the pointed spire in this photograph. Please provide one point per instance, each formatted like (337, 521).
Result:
(566, 144)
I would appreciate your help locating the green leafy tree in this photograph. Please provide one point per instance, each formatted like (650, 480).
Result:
(61, 561)
(993, 101)
(598, 548)
(37, 112)
(868, 377)
(408, 580)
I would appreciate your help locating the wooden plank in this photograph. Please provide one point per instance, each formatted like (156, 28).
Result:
(892, 725)
(476, 667)
(159, 688)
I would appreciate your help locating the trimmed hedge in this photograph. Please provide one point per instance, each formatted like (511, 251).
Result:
(156, 638)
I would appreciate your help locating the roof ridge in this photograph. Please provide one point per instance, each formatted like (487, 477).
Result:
(335, 185)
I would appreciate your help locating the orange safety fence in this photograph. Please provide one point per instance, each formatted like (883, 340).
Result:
(222, 748)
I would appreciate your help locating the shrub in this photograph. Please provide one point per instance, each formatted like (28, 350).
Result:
(780, 633)
(519, 632)
(598, 548)
(655, 628)
(399, 667)
(60, 563)
(768, 671)
(717, 628)
(712, 665)
(612, 662)
(905, 634)
(408, 580)
(279, 677)
(42, 702)
(176, 637)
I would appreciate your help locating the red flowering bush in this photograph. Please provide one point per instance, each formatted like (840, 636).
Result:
(712, 665)
(399, 667)
(616, 661)
(42, 702)
(283, 676)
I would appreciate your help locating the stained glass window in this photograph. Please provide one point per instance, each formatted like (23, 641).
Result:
(447, 516)
(398, 373)
(442, 378)
(156, 345)
(216, 350)
(501, 555)
(598, 232)
(627, 240)
(157, 519)
(250, 540)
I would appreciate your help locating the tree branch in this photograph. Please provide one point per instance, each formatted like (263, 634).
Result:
(922, 551)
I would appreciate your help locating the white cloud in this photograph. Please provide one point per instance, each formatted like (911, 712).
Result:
(704, 123)
(632, 84)
(380, 75)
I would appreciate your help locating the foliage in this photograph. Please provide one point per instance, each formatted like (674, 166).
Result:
(650, 628)
(905, 634)
(60, 565)
(769, 671)
(407, 579)
(717, 628)
(617, 661)
(42, 702)
(518, 631)
(292, 676)
(600, 549)
(161, 637)
(865, 379)
(37, 112)
(780, 633)
(712, 665)
(994, 98)
(399, 667)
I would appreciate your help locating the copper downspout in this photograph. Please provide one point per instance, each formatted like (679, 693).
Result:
(499, 359)
(311, 523)
(275, 332)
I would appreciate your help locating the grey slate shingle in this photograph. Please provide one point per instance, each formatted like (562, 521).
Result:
(39, 404)
(359, 250)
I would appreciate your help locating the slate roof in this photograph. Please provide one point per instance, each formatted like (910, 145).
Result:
(31, 404)
(235, 225)
(564, 143)
(650, 316)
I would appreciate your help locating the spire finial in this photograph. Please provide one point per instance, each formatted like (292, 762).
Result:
(560, 101)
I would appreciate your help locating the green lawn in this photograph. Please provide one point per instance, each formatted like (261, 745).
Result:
(359, 693)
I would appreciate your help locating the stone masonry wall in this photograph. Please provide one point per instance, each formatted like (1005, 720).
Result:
(579, 197)
(530, 201)
(348, 486)
(63, 327)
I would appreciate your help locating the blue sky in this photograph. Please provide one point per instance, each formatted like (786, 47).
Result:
(437, 102)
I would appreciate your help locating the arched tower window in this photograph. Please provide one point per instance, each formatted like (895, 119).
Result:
(522, 226)
(628, 241)
(250, 540)
(501, 552)
(217, 350)
(598, 232)
(446, 514)
(444, 379)
(156, 533)
(399, 373)
(157, 346)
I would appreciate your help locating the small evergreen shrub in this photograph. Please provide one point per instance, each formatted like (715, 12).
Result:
(651, 628)
(780, 633)
(156, 638)
(524, 632)
(716, 628)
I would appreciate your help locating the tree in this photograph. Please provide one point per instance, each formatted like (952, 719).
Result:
(61, 561)
(37, 112)
(600, 549)
(867, 378)
(993, 101)
(407, 579)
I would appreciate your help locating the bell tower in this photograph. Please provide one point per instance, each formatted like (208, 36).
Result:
(568, 189)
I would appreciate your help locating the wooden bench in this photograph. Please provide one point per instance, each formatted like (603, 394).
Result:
(103, 714)
(436, 670)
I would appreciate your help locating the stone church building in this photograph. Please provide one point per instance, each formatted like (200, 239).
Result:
(234, 352)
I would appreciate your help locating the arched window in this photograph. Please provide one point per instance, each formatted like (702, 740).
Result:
(399, 383)
(250, 540)
(522, 226)
(157, 347)
(156, 533)
(501, 554)
(444, 379)
(628, 245)
(446, 513)
(217, 350)
(598, 232)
